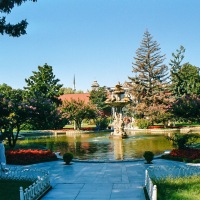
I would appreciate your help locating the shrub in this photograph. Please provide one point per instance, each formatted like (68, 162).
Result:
(181, 141)
(196, 161)
(148, 155)
(67, 157)
(102, 123)
(184, 155)
(142, 123)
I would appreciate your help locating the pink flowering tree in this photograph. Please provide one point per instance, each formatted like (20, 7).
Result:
(45, 115)
(14, 112)
(77, 111)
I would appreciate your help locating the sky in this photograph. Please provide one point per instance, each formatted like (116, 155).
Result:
(95, 39)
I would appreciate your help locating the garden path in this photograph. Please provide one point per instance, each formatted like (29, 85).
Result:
(99, 180)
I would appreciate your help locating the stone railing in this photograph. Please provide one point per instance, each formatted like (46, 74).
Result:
(159, 172)
(150, 188)
(40, 178)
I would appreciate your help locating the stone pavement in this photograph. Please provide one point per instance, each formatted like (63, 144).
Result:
(98, 181)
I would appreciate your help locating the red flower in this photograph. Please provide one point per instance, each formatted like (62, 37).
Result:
(29, 156)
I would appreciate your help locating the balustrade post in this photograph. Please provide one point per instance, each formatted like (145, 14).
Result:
(21, 192)
(154, 195)
(146, 177)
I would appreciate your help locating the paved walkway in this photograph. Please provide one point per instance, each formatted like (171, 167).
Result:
(98, 181)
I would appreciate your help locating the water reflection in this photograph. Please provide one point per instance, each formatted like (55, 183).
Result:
(118, 149)
(100, 147)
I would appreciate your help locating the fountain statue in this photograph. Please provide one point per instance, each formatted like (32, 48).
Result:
(118, 100)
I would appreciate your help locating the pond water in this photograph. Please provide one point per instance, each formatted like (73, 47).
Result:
(99, 146)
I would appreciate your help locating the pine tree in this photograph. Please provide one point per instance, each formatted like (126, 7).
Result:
(44, 84)
(185, 78)
(149, 84)
(43, 90)
(176, 65)
(14, 30)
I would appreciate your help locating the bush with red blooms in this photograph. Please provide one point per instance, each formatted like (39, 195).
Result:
(29, 156)
(186, 155)
(87, 128)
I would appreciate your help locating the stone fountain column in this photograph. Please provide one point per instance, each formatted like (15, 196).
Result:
(118, 100)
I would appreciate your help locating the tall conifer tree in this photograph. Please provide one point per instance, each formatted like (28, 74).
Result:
(149, 85)
(14, 30)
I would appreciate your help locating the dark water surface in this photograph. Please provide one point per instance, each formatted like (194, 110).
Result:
(98, 146)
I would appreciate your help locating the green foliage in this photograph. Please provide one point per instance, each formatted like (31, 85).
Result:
(15, 30)
(142, 123)
(183, 188)
(42, 92)
(102, 123)
(9, 189)
(196, 161)
(149, 85)
(185, 87)
(44, 84)
(185, 78)
(186, 108)
(175, 63)
(98, 97)
(67, 157)
(14, 112)
(148, 155)
(182, 141)
(69, 90)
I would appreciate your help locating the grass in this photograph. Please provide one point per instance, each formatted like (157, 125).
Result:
(82, 126)
(179, 124)
(187, 124)
(9, 189)
(182, 188)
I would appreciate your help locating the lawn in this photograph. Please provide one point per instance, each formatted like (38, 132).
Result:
(183, 188)
(9, 189)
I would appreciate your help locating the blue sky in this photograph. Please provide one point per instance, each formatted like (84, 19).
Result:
(95, 39)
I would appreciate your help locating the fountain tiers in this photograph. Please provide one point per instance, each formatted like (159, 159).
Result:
(118, 100)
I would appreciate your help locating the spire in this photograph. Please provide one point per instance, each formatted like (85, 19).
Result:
(74, 82)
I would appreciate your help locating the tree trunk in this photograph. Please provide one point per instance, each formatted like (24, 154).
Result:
(77, 124)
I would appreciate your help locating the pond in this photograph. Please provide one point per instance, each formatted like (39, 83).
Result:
(98, 146)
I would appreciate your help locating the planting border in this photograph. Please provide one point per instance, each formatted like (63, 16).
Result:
(40, 186)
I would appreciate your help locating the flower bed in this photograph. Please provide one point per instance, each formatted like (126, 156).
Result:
(87, 128)
(156, 126)
(29, 156)
(186, 155)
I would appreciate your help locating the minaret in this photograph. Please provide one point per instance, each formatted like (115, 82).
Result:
(74, 82)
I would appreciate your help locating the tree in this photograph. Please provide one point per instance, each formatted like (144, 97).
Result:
(185, 87)
(46, 114)
(186, 108)
(14, 112)
(149, 85)
(15, 30)
(43, 90)
(44, 84)
(182, 141)
(98, 98)
(77, 110)
(185, 79)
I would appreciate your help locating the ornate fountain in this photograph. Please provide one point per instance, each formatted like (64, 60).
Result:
(117, 101)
